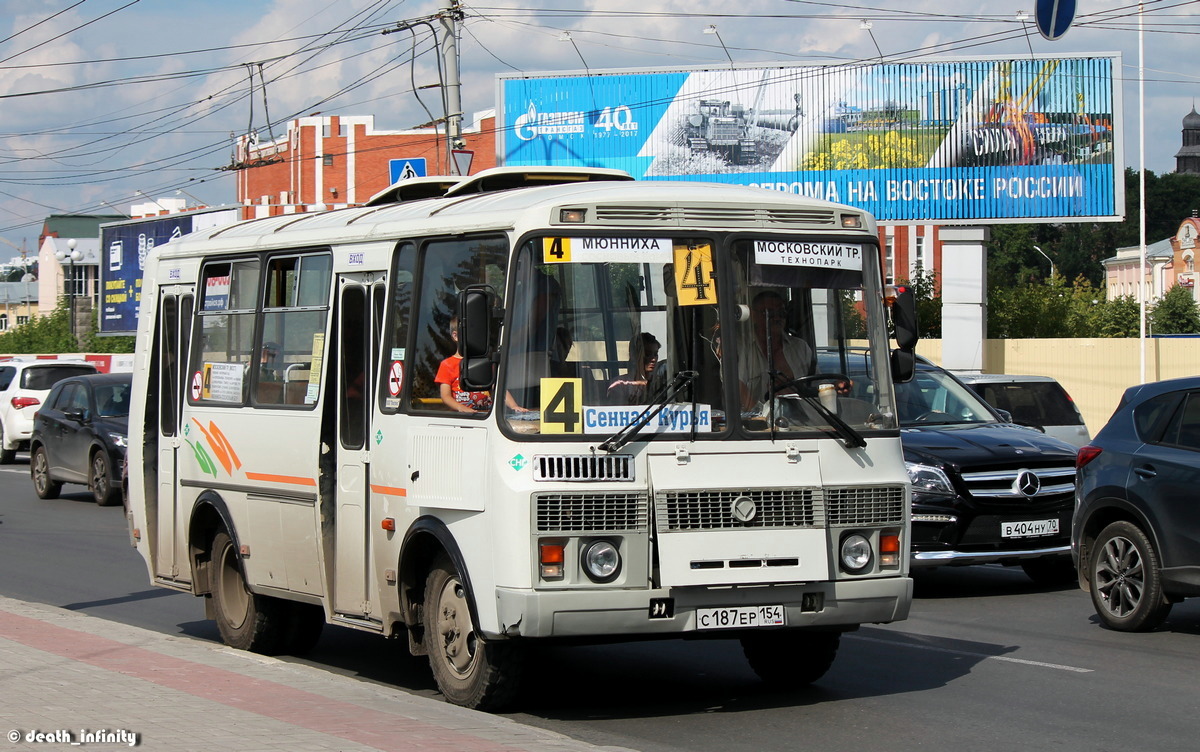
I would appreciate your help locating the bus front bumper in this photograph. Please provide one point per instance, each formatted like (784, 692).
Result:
(673, 611)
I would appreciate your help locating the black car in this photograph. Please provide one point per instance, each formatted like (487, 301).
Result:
(1136, 534)
(985, 490)
(79, 436)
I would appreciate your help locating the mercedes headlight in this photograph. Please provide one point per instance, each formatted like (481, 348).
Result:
(927, 479)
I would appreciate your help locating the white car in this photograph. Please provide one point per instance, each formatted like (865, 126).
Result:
(1037, 401)
(24, 385)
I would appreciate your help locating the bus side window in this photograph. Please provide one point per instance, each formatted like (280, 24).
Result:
(448, 266)
(395, 344)
(295, 306)
(224, 338)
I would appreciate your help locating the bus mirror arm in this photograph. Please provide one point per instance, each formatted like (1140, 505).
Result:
(904, 322)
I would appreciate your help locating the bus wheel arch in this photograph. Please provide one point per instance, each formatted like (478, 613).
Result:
(209, 515)
(425, 541)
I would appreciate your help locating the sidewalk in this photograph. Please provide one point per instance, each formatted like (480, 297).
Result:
(81, 681)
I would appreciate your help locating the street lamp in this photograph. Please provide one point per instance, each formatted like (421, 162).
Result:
(1039, 250)
(712, 29)
(72, 256)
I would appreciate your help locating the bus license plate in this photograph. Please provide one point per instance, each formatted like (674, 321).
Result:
(1030, 529)
(740, 617)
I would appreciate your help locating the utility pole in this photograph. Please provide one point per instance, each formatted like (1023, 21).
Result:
(450, 14)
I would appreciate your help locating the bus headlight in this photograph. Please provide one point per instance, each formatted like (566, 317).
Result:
(856, 553)
(601, 561)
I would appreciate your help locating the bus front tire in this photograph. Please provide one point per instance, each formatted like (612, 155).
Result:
(469, 671)
(788, 658)
(247, 621)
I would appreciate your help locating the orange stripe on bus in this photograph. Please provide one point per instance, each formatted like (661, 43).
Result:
(390, 491)
(293, 479)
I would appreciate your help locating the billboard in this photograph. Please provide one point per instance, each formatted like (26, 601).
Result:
(935, 141)
(123, 249)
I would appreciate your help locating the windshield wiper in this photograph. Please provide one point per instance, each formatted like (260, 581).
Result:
(851, 439)
(664, 396)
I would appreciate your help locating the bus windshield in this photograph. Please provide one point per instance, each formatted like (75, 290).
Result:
(600, 330)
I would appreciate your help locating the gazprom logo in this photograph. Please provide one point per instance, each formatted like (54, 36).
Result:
(533, 123)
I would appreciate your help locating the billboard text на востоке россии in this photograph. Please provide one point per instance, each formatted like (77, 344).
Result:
(123, 249)
(957, 142)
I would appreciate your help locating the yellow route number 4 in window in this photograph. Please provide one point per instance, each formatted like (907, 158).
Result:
(562, 405)
(694, 283)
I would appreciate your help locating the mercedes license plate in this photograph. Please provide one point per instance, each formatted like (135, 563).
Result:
(1030, 529)
(740, 617)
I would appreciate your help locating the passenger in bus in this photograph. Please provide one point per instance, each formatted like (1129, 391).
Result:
(268, 366)
(450, 390)
(771, 356)
(630, 387)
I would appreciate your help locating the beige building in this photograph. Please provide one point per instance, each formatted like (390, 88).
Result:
(1169, 262)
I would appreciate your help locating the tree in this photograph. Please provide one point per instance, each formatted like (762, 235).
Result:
(1175, 313)
(929, 303)
(1078, 248)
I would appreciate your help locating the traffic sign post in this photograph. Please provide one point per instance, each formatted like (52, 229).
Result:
(1053, 17)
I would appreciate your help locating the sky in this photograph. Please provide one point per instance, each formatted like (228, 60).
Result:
(105, 103)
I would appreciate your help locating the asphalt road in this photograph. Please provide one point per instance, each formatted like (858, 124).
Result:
(987, 660)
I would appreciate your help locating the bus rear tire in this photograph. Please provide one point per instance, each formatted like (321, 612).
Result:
(789, 658)
(469, 671)
(247, 621)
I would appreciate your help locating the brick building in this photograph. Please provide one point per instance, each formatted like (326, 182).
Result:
(326, 162)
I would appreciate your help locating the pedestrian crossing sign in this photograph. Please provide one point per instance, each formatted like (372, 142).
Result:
(403, 169)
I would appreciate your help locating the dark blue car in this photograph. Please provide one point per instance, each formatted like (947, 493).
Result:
(79, 436)
(1136, 531)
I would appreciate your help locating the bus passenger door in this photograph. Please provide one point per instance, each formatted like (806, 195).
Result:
(174, 333)
(354, 592)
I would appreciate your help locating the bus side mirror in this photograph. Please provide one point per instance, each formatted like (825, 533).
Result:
(904, 319)
(904, 323)
(478, 327)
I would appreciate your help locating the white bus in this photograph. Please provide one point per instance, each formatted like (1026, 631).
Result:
(673, 416)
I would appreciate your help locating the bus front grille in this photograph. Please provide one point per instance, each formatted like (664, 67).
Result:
(739, 509)
(865, 505)
(583, 467)
(591, 512)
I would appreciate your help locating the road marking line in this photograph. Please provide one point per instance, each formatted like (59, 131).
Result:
(1041, 664)
(13, 470)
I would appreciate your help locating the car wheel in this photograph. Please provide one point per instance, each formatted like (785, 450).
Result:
(1126, 585)
(1051, 570)
(246, 620)
(790, 658)
(39, 471)
(469, 670)
(6, 455)
(104, 491)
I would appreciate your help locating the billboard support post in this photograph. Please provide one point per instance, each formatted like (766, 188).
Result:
(964, 297)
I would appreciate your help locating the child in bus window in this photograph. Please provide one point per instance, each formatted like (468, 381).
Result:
(452, 393)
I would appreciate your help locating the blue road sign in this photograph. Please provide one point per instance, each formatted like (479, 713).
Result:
(1053, 17)
(402, 169)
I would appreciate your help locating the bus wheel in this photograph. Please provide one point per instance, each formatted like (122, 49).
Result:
(247, 621)
(790, 658)
(469, 671)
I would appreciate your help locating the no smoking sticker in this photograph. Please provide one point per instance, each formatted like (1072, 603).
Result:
(197, 385)
(395, 378)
